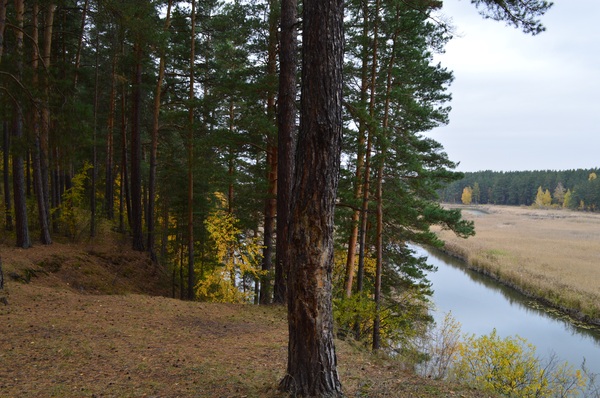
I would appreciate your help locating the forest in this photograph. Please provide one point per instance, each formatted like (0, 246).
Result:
(176, 124)
(573, 189)
(191, 129)
(160, 120)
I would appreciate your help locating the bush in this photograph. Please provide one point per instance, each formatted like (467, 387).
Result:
(510, 367)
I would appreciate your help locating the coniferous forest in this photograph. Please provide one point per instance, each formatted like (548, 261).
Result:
(176, 124)
(573, 189)
(161, 120)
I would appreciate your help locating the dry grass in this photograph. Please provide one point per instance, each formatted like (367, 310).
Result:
(77, 330)
(550, 254)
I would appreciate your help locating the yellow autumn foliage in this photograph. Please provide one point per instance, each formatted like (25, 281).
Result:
(237, 254)
(510, 367)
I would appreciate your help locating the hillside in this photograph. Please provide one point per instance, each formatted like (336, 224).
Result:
(89, 320)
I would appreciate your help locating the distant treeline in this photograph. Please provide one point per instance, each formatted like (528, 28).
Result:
(576, 189)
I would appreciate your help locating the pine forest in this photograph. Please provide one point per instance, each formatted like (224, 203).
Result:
(176, 125)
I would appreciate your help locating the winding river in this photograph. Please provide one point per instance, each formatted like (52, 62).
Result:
(481, 304)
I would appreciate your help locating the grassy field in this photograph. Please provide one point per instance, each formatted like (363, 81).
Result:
(90, 321)
(553, 255)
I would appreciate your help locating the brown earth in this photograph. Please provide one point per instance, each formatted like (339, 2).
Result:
(92, 320)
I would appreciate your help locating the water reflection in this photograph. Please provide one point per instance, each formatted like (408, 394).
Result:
(480, 304)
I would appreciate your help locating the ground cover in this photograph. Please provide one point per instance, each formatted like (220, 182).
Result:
(92, 320)
(550, 254)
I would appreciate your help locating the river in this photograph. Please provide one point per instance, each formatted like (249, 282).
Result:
(481, 304)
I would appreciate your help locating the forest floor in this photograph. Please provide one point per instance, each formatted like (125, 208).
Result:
(548, 254)
(93, 320)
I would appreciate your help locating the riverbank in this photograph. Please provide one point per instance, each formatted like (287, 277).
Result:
(550, 255)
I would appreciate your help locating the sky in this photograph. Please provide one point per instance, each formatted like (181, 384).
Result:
(523, 102)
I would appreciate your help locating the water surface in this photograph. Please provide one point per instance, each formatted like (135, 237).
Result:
(481, 304)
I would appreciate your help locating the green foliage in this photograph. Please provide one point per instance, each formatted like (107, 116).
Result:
(510, 367)
(568, 201)
(519, 188)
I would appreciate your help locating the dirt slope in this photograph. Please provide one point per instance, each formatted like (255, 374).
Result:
(62, 335)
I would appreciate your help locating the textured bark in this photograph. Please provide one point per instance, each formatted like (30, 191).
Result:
(109, 177)
(286, 121)
(3, 4)
(311, 369)
(190, 149)
(20, 201)
(21, 225)
(360, 163)
(154, 145)
(270, 200)
(136, 154)
(8, 221)
(269, 224)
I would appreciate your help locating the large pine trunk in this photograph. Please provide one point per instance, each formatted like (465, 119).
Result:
(286, 121)
(312, 364)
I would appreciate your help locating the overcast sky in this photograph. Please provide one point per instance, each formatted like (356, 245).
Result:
(523, 102)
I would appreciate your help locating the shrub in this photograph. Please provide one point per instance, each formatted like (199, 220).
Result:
(510, 367)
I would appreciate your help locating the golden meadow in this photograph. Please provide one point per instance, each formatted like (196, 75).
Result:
(553, 255)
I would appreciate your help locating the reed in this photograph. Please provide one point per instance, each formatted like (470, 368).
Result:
(552, 255)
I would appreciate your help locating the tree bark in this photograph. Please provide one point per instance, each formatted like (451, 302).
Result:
(20, 201)
(379, 212)
(3, 4)
(154, 145)
(8, 221)
(136, 153)
(190, 215)
(286, 121)
(109, 205)
(312, 363)
(270, 200)
(360, 162)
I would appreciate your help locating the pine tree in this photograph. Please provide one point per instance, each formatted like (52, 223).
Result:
(312, 363)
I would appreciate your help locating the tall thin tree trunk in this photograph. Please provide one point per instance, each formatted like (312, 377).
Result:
(109, 177)
(379, 259)
(125, 204)
(191, 159)
(8, 221)
(40, 185)
(136, 153)
(21, 224)
(154, 145)
(367, 175)
(45, 123)
(28, 167)
(360, 163)
(3, 4)
(80, 43)
(312, 363)
(270, 200)
(286, 122)
(269, 223)
(379, 227)
(94, 149)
